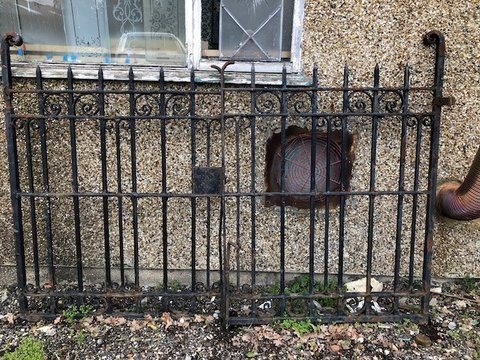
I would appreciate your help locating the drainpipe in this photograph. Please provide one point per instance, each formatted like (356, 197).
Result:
(462, 201)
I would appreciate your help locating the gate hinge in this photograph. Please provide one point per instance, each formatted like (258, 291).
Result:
(444, 101)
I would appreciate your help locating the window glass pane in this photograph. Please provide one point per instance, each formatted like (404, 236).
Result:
(40, 23)
(86, 30)
(211, 17)
(251, 29)
(210, 27)
(288, 7)
(105, 31)
(152, 30)
(8, 16)
(210, 23)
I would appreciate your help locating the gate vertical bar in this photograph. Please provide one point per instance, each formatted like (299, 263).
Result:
(7, 41)
(223, 250)
(118, 155)
(33, 211)
(283, 146)
(133, 155)
(313, 163)
(209, 212)
(103, 151)
(371, 196)
(327, 204)
(224, 247)
(343, 175)
(416, 184)
(163, 141)
(193, 203)
(45, 177)
(75, 198)
(253, 199)
(433, 37)
(237, 199)
(401, 185)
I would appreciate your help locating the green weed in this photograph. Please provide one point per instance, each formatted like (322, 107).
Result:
(301, 285)
(372, 326)
(300, 327)
(80, 336)
(273, 289)
(454, 334)
(469, 284)
(175, 286)
(29, 349)
(77, 312)
(405, 326)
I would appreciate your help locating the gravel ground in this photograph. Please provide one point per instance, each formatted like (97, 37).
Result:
(453, 333)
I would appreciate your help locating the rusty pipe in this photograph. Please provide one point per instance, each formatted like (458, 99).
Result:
(461, 201)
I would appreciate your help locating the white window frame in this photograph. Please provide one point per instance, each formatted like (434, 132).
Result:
(193, 32)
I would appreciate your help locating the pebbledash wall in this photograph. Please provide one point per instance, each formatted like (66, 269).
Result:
(359, 34)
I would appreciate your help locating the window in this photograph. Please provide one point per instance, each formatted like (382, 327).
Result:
(264, 29)
(267, 32)
(98, 31)
(177, 33)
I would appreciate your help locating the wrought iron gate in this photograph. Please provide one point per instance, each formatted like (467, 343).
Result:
(246, 200)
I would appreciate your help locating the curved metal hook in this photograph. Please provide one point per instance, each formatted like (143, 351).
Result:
(221, 70)
(435, 37)
(13, 39)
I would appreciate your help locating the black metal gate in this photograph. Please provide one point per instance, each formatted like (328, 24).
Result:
(258, 202)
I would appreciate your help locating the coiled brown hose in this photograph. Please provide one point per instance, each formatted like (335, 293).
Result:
(462, 201)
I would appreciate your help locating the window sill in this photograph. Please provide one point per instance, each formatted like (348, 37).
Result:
(234, 75)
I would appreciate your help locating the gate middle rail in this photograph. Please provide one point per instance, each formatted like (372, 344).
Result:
(254, 202)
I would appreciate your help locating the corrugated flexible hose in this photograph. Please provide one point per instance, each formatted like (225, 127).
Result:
(462, 201)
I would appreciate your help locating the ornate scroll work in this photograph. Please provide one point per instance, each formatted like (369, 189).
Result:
(164, 16)
(128, 12)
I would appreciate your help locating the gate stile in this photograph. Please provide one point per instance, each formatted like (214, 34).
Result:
(244, 290)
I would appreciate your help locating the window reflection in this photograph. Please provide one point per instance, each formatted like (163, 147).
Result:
(98, 31)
